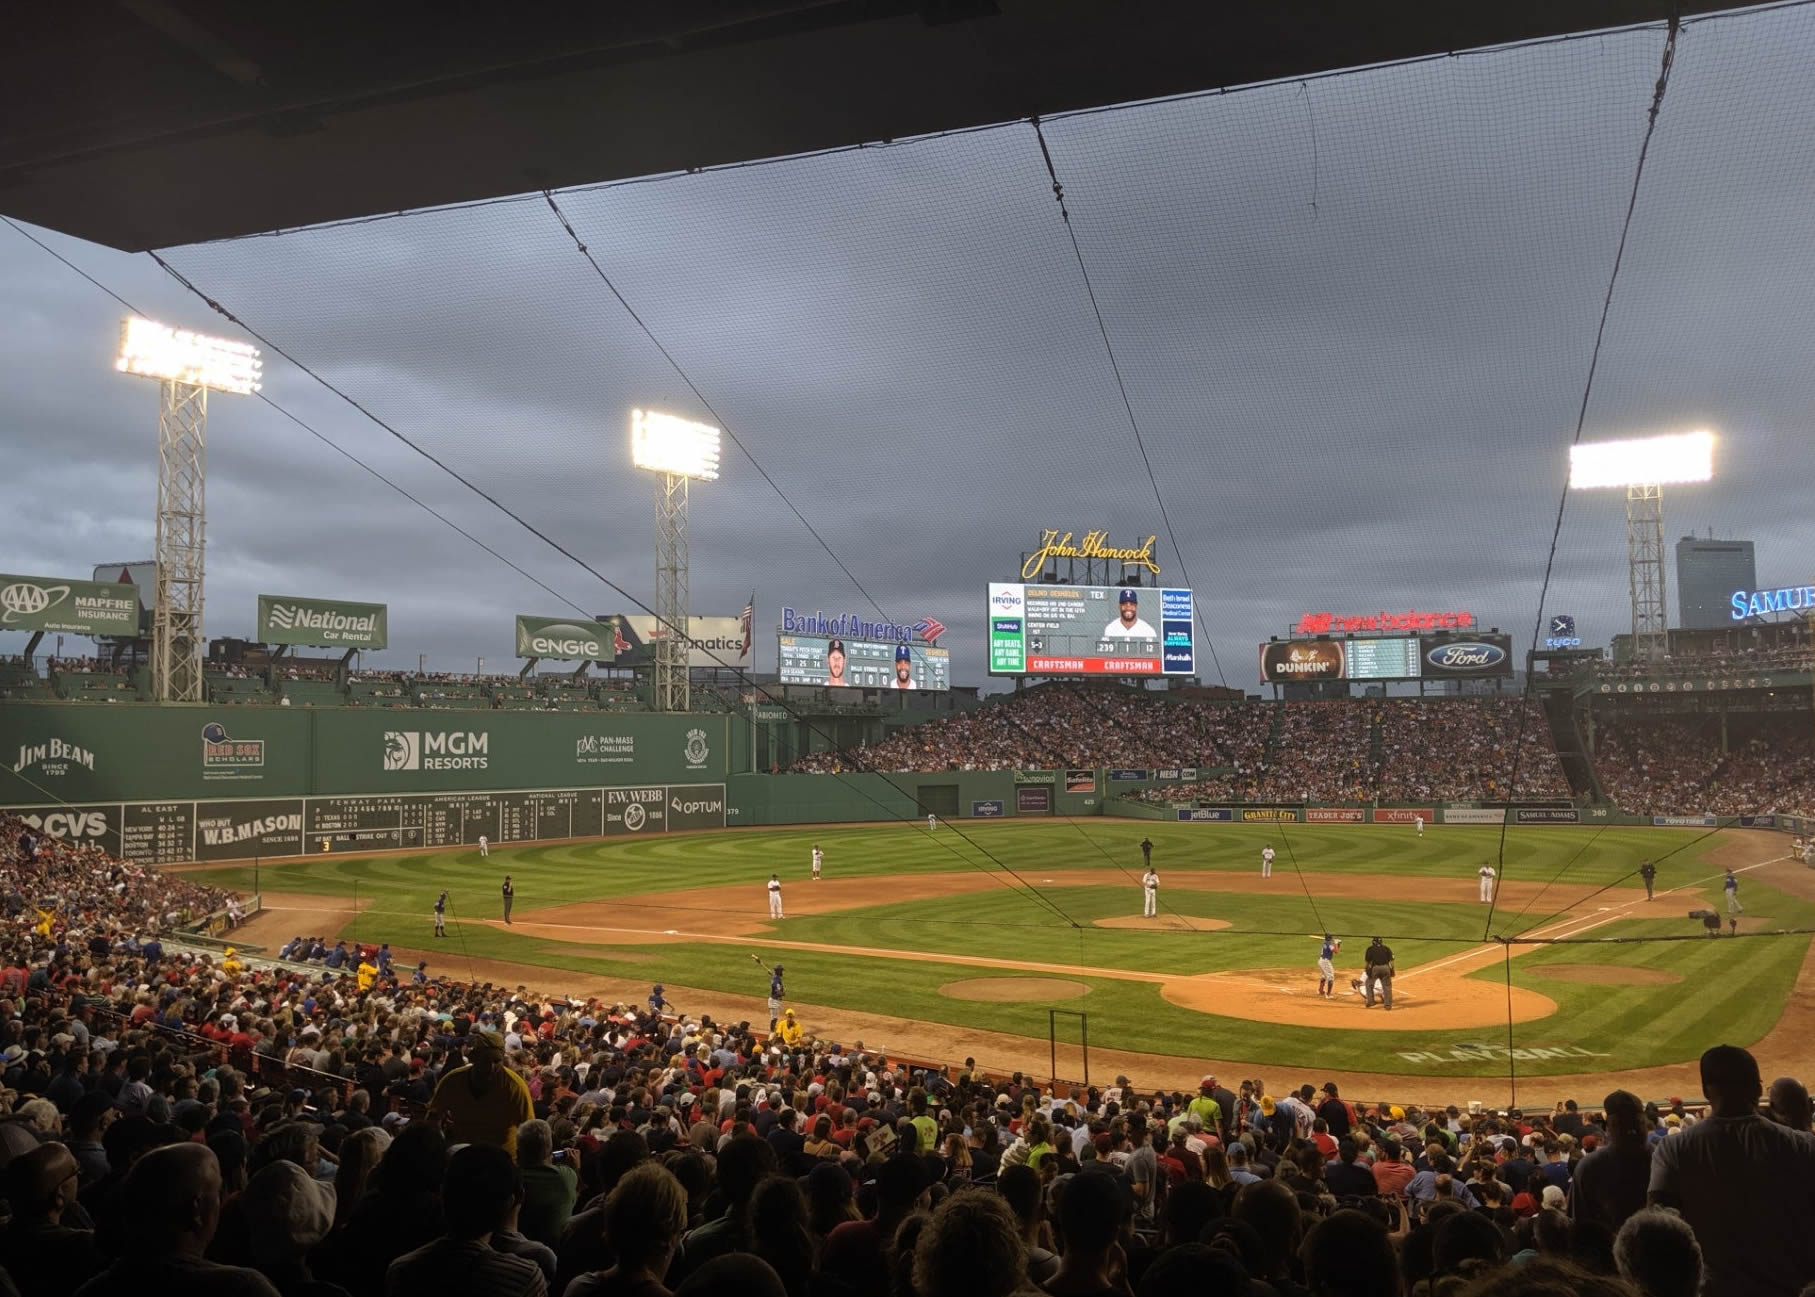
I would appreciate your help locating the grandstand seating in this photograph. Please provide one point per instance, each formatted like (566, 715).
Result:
(311, 693)
(93, 685)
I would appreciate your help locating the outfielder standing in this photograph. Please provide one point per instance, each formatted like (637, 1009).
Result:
(1266, 861)
(510, 896)
(775, 897)
(1419, 821)
(485, 848)
(1731, 886)
(1326, 965)
(1487, 881)
(1150, 892)
(819, 858)
(932, 821)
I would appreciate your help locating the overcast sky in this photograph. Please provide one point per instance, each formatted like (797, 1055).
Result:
(1354, 317)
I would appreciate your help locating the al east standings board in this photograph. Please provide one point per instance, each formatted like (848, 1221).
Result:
(1088, 630)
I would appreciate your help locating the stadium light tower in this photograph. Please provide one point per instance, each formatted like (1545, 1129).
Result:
(1644, 466)
(187, 365)
(678, 451)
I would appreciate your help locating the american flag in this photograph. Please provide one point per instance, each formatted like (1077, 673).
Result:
(930, 630)
(748, 623)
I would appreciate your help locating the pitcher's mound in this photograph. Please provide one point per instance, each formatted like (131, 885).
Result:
(1607, 975)
(1003, 990)
(1177, 922)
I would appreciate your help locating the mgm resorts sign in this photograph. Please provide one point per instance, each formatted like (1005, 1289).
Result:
(1095, 545)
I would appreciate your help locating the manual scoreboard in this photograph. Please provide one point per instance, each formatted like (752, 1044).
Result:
(1089, 630)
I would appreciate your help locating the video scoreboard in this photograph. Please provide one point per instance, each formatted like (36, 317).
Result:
(1089, 630)
(862, 664)
(1387, 657)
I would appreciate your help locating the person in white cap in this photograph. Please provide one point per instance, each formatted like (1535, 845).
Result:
(775, 897)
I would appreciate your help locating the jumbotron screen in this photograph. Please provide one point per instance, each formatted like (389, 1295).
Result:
(1090, 630)
(862, 664)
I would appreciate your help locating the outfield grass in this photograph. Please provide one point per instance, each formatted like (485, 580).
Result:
(1730, 990)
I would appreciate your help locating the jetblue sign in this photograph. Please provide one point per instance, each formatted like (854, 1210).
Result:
(1761, 603)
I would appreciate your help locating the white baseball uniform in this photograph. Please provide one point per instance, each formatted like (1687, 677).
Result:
(1487, 882)
(818, 859)
(775, 899)
(1266, 862)
(1418, 820)
(484, 847)
(1150, 891)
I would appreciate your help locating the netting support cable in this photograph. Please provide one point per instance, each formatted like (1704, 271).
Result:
(1668, 60)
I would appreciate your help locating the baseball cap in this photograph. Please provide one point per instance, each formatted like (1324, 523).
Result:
(1526, 1205)
(902, 654)
(1128, 595)
(836, 646)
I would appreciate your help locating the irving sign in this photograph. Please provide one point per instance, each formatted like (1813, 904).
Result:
(284, 619)
(571, 639)
(1094, 545)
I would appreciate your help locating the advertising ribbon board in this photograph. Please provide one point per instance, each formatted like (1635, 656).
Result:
(1548, 815)
(1033, 801)
(1334, 815)
(45, 603)
(564, 639)
(1080, 781)
(1465, 815)
(1270, 815)
(1404, 814)
(1035, 776)
(1128, 776)
(334, 623)
(1684, 821)
(989, 809)
(1205, 814)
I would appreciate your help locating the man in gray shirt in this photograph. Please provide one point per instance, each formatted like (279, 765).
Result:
(1744, 1184)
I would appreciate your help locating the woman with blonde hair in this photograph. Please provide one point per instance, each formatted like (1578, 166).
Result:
(820, 1143)
(1216, 1167)
(957, 1159)
(645, 1216)
(360, 1154)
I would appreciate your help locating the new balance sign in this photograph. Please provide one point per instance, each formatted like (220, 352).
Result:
(571, 639)
(285, 619)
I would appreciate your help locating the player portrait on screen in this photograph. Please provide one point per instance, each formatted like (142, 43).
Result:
(904, 667)
(1129, 625)
(835, 677)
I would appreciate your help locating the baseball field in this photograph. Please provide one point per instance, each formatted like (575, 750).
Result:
(958, 942)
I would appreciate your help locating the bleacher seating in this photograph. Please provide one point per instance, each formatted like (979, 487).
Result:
(93, 686)
(312, 693)
(19, 681)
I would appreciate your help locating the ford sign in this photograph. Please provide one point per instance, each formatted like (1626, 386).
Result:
(1471, 657)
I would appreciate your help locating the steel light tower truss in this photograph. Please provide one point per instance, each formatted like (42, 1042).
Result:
(182, 527)
(1645, 571)
(672, 680)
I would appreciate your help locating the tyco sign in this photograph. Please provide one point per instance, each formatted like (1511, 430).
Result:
(68, 607)
(571, 638)
(286, 619)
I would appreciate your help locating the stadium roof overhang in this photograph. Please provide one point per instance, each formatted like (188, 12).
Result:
(150, 123)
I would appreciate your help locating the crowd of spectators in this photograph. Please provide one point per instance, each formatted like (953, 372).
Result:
(1672, 764)
(175, 1122)
(1062, 724)
(1782, 657)
(1476, 749)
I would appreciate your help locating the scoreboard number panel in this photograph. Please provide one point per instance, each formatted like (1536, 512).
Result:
(867, 664)
(1088, 630)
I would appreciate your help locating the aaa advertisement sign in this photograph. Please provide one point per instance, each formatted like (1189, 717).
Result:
(44, 603)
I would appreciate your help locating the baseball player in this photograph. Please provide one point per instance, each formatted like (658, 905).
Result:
(819, 858)
(1326, 965)
(1487, 881)
(1150, 891)
(1418, 821)
(1648, 872)
(441, 915)
(775, 991)
(775, 897)
(510, 896)
(1731, 886)
(1146, 851)
(1266, 861)
(485, 848)
(932, 821)
(658, 1000)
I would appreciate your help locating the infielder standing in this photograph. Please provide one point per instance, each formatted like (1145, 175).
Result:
(484, 847)
(1731, 886)
(510, 896)
(1326, 965)
(1266, 861)
(819, 858)
(1487, 881)
(775, 897)
(1419, 821)
(441, 915)
(1150, 891)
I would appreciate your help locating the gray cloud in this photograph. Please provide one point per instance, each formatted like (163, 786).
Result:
(1355, 405)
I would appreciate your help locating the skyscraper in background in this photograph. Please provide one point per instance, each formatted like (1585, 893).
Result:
(1708, 571)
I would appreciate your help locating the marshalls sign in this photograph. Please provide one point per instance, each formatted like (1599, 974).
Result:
(571, 638)
(286, 619)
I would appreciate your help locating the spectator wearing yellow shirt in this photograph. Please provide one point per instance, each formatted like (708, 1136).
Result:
(231, 965)
(483, 1102)
(367, 973)
(788, 1030)
(924, 1126)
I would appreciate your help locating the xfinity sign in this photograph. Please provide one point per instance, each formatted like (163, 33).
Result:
(569, 639)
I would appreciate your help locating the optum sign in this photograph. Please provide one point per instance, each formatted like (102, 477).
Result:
(571, 638)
